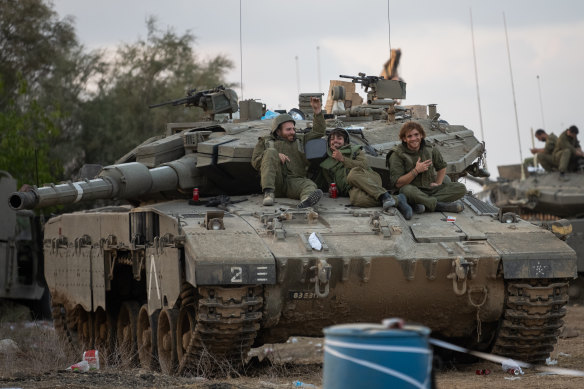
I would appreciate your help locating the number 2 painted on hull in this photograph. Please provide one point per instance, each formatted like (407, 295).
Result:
(236, 272)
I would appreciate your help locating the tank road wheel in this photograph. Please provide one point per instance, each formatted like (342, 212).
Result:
(65, 325)
(166, 341)
(126, 332)
(85, 329)
(105, 336)
(146, 338)
(532, 319)
(185, 333)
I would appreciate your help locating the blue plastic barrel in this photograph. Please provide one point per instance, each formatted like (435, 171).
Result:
(372, 356)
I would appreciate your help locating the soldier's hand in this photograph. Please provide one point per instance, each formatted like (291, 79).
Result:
(337, 155)
(283, 158)
(422, 166)
(316, 105)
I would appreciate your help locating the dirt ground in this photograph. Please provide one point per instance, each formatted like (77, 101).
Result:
(39, 363)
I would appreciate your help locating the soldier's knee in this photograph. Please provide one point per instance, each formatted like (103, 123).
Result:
(352, 177)
(460, 188)
(408, 189)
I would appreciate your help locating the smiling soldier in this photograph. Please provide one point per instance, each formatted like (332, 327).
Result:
(418, 170)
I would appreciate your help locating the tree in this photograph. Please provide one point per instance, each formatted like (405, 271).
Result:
(159, 68)
(25, 143)
(43, 73)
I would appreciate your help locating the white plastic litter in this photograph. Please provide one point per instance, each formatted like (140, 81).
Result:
(512, 367)
(551, 362)
(82, 366)
(314, 242)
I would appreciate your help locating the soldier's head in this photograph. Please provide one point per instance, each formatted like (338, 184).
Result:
(412, 135)
(541, 135)
(283, 126)
(573, 131)
(337, 138)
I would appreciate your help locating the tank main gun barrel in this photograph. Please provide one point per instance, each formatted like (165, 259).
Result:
(123, 181)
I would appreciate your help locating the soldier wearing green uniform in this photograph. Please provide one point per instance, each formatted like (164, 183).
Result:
(281, 161)
(545, 155)
(346, 165)
(567, 150)
(418, 171)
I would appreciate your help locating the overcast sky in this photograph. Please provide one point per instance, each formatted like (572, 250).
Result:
(546, 39)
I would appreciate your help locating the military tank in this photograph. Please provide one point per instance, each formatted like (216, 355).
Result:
(195, 269)
(21, 255)
(548, 200)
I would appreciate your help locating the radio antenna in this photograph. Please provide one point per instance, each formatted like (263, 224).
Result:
(540, 102)
(240, 54)
(514, 100)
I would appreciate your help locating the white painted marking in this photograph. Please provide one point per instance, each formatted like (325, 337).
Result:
(79, 190)
(153, 266)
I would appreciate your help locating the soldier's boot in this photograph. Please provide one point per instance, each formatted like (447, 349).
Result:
(269, 197)
(455, 206)
(404, 207)
(312, 199)
(419, 208)
(387, 201)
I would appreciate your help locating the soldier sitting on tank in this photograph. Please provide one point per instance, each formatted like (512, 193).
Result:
(418, 170)
(545, 155)
(567, 151)
(346, 166)
(281, 161)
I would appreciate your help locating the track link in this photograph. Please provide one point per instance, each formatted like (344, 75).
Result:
(65, 324)
(227, 323)
(532, 319)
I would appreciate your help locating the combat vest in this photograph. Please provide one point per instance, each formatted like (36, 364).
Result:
(550, 144)
(402, 160)
(294, 150)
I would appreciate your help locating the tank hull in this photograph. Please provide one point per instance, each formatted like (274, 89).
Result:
(379, 265)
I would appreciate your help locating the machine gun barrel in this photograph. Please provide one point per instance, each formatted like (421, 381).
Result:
(181, 101)
(123, 181)
(354, 78)
(193, 97)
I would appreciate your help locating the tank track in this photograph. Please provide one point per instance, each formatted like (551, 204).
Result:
(65, 324)
(227, 321)
(532, 319)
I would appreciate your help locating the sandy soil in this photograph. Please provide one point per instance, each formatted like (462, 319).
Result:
(282, 364)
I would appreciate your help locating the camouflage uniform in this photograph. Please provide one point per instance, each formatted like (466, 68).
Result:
(546, 159)
(354, 177)
(403, 160)
(564, 151)
(289, 179)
